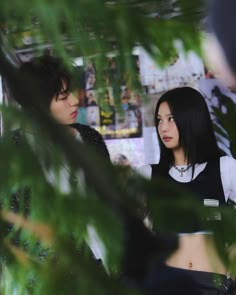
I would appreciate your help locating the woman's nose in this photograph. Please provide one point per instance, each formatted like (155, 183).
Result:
(164, 126)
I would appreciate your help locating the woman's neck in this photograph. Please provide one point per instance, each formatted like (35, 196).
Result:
(179, 157)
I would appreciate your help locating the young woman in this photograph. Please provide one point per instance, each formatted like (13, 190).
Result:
(190, 157)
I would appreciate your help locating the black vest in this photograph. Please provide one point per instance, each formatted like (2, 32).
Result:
(208, 188)
(207, 185)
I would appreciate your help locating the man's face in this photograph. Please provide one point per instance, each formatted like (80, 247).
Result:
(64, 108)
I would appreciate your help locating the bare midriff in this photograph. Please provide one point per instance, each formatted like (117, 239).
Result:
(197, 252)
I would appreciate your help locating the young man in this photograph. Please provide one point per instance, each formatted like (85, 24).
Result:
(55, 83)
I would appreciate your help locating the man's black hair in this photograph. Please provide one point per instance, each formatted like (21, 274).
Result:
(46, 75)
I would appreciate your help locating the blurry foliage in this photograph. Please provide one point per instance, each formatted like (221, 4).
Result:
(91, 28)
(45, 249)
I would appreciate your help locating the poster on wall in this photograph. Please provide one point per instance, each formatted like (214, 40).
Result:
(185, 69)
(127, 152)
(97, 107)
(217, 95)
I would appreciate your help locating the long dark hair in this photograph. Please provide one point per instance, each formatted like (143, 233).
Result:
(192, 118)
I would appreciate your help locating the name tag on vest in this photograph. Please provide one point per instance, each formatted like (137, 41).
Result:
(211, 203)
(213, 214)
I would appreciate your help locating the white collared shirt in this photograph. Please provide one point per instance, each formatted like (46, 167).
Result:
(227, 172)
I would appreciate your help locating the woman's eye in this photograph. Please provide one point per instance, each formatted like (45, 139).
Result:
(159, 121)
(171, 119)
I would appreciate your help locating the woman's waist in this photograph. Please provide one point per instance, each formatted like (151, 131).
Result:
(197, 252)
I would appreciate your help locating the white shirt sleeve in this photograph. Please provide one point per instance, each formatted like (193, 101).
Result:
(227, 172)
(228, 177)
(145, 171)
(96, 244)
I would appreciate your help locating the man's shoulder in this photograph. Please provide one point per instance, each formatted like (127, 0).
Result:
(85, 129)
(92, 137)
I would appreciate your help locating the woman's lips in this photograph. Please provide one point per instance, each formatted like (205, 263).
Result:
(166, 138)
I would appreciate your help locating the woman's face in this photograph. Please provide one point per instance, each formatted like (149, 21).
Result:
(167, 128)
(64, 108)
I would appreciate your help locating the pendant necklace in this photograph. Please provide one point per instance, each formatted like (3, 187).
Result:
(182, 169)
